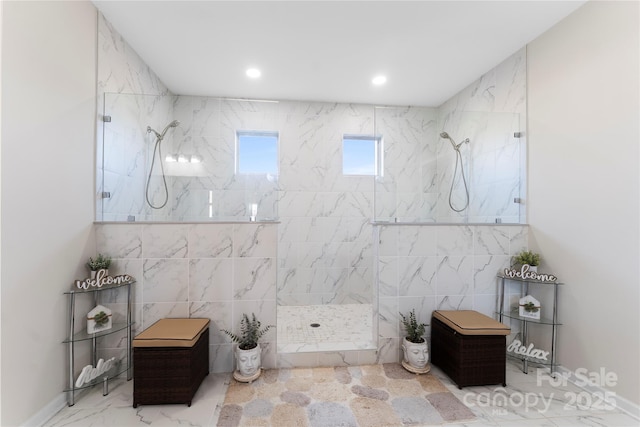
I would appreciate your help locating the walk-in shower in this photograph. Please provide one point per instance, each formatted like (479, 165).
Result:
(459, 161)
(157, 148)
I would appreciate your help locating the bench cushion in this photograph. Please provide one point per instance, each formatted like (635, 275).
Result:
(172, 333)
(470, 322)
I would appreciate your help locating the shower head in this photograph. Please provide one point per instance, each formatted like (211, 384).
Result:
(445, 135)
(160, 136)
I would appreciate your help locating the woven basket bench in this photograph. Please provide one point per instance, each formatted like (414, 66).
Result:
(469, 347)
(170, 360)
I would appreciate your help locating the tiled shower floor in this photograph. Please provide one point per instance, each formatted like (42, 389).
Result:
(341, 327)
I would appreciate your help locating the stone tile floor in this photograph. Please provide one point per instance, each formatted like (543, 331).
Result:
(528, 400)
(338, 327)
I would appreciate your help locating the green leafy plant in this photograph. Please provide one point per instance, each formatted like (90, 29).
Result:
(101, 262)
(527, 257)
(415, 331)
(530, 307)
(250, 332)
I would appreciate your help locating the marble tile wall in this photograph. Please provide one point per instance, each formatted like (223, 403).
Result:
(441, 267)
(407, 190)
(214, 271)
(128, 153)
(324, 249)
(488, 112)
(123, 147)
(220, 271)
(212, 189)
(325, 243)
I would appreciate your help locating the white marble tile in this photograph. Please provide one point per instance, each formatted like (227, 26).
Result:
(119, 241)
(388, 281)
(165, 280)
(210, 279)
(388, 243)
(417, 276)
(455, 240)
(221, 358)
(165, 240)
(454, 275)
(254, 278)
(210, 241)
(485, 269)
(417, 241)
(388, 318)
(255, 240)
(491, 240)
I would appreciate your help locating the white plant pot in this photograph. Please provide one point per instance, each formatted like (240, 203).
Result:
(248, 364)
(416, 357)
(94, 273)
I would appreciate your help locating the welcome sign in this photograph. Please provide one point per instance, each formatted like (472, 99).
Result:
(526, 274)
(103, 279)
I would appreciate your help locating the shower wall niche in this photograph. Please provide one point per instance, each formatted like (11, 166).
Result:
(196, 159)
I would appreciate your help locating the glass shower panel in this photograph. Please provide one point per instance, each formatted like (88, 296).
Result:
(126, 153)
(493, 164)
(190, 175)
(405, 191)
(428, 178)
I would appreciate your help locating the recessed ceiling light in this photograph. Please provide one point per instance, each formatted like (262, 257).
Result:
(379, 80)
(254, 73)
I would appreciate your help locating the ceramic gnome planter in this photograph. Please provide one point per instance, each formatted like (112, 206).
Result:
(414, 345)
(248, 351)
(416, 356)
(248, 363)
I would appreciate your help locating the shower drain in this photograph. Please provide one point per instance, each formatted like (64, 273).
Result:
(315, 325)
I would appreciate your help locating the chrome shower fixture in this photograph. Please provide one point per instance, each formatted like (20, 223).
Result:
(158, 148)
(456, 147)
(160, 136)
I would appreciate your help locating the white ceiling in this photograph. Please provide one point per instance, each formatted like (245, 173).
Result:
(329, 50)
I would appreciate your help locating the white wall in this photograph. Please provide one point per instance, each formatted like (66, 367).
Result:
(48, 140)
(583, 191)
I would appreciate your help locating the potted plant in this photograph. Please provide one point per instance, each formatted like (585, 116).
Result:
(102, 262)
(248, 351)
(414, 345)
(529, 258)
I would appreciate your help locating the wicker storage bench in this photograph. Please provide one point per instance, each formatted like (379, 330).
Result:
(170, 360)
(469, 347)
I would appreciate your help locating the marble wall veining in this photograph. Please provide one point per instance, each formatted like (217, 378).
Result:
(214, 271)
(492, 113)
(442, 267)
(122, 72)
(324, 247)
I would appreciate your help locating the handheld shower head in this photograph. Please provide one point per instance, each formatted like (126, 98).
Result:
(445, 135)
(160, 136)
(149, 130)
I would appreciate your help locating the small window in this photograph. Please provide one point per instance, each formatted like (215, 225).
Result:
(256, 152)
(361, 155)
